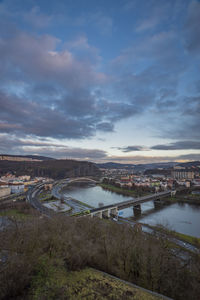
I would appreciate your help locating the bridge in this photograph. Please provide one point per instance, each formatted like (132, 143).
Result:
(112, 210)
(82, 179)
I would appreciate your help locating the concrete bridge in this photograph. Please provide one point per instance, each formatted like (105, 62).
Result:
(112, 210)
(82, 179)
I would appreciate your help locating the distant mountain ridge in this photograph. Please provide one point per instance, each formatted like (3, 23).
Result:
(12, 157)
(138, 167)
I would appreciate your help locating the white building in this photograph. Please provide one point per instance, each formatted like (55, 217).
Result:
(17, 188)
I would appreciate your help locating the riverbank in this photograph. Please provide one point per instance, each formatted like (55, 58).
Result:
(122, 191)
(180, 236)
(183, 199)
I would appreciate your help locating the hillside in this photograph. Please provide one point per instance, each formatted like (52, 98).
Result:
(53, 255)
(86, 284)
(138, 167)
(56, 169)
(23, 157)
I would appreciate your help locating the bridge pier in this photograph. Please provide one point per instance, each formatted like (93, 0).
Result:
(173, 193)
(106, 213)
(114, 212)
(137, 210)
(157, 203)
(98, 214)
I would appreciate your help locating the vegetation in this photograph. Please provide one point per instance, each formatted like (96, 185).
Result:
(54, 168)
(81, 213)
(187, 198)
(15, 213)
(19, 211)
(44, 196)
(183, 237)
(126, 191)
(83, 284)
(46, 252)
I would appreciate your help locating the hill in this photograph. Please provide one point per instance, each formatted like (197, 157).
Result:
(23, 157)
(52, 256)
(53, 168)
(138, 167)
(151, 166)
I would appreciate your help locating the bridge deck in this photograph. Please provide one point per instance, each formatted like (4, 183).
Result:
(132, 202)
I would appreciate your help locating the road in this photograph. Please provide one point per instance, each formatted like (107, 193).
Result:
(33, 200)
(77, 207)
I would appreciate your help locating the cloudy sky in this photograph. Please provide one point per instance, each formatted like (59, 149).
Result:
(102, 80)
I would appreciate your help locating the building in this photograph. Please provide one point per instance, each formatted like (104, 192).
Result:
(196, 182)
(182, 174)
(5, 191)
(24, 177)
(17, 187)
(48, 186)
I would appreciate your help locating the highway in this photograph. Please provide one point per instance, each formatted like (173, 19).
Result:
(76, 206)
(33, 200)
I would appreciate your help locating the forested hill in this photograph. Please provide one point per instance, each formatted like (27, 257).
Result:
(56, 169)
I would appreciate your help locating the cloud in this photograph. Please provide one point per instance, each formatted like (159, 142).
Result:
(103, 22)
(132, 148)
(52, 87)
(192, 28)
(36, 18)
(67, 152)
(139, 159)
(153, 16)
(47, 148)
(50, 93)
(147, 24)
(11, 144)
(25, 117)
(180, 145)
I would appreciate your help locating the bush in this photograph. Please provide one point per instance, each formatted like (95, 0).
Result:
(34, 247)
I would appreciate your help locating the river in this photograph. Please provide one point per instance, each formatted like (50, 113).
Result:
(183, 218)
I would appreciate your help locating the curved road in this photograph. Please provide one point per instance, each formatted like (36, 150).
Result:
(77, 207)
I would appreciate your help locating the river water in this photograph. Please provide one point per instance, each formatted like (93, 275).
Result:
(183, 218)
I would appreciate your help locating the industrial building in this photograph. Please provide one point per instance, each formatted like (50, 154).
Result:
(182, 174)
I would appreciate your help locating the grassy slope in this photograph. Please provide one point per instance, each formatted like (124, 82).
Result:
(85, 284)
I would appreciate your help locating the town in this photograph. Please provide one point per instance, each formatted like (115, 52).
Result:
(178, 176)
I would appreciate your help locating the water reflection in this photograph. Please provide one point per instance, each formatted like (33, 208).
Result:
(184, 218)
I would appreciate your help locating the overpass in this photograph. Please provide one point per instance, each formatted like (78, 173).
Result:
(112, 210)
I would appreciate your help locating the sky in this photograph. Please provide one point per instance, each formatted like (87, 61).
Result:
(100, 80)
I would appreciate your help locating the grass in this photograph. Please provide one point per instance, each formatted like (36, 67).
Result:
(121, 191)
(53, 281)
(81, 213)
(51, 198)
(187, 238)
(190, 199)
(14, 213)
(46, 196)
(183, 237)
(82, 203)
